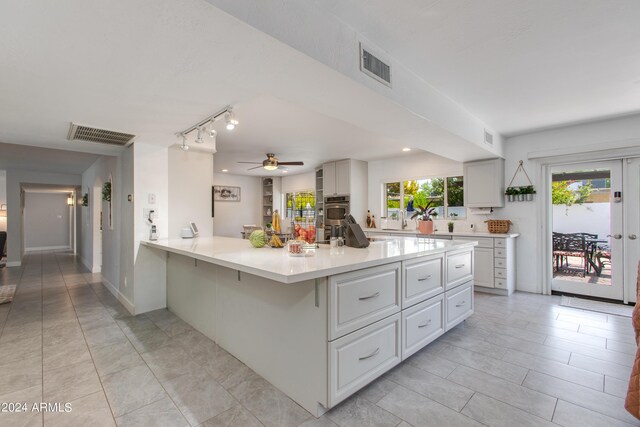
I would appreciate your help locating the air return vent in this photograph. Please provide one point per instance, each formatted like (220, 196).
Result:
(374, 67)
(101, 136)
(488, 137)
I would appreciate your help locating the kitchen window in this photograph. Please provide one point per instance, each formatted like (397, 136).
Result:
(445, 194)
(301, 206)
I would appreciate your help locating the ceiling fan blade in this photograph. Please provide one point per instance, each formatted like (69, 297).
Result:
(253, 163)
(292, 163)
(257, 167)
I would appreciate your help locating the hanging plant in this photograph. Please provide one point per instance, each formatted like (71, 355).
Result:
(106, 192)
(85, 199)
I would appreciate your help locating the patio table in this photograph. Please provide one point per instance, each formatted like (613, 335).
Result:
(592, 248)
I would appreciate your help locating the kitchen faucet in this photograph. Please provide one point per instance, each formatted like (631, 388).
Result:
(403, 220)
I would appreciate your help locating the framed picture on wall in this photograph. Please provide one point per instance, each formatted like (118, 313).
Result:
(225, 193)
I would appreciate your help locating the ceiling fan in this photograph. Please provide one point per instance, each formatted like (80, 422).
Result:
(272, 163)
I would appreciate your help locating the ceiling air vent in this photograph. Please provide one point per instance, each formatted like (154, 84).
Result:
(101, 136)
(374, 67)
(488, 137)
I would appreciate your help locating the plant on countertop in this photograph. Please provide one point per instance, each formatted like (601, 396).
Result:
(450, 226)
(85, 199)
(425, 213)
(106, 192)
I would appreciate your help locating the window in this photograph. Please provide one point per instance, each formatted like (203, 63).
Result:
(301, 206)
(445, 194)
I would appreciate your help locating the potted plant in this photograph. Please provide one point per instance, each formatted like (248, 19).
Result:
(425, 215)
(519, 194)
(511, 193)
(450, 226)
(85, 199)
(528, 192)
(106, 192)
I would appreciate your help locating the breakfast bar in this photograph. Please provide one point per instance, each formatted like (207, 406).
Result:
(319, 327)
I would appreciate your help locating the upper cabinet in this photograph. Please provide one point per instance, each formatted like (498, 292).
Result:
(337, 178)
(484, 184)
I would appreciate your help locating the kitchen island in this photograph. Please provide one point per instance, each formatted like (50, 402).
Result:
(319, 328)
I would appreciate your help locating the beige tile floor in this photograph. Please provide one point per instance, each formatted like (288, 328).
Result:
(519, 361)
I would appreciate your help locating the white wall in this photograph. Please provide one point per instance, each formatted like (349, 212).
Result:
(46, 221)
(300, 182)
(14, 214)
(3, 198)
(594, 218)
(190, 181)
(231, 216)
(598, 139)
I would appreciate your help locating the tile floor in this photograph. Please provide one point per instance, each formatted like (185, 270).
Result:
(519, 361)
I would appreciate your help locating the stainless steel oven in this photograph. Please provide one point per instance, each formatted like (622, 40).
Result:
(335, 209)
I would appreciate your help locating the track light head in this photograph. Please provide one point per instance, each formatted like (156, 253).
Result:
(230, 119)
(212, 133)
(199, 139)
(184, 146)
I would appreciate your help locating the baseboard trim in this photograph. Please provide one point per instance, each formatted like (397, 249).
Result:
(14, 264)
(94, 269)
(119, 295)
(47, 248)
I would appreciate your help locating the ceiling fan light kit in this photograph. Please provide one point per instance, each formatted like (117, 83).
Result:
(227, 112)
(272, 163)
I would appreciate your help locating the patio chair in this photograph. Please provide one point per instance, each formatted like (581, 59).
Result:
(570, 245)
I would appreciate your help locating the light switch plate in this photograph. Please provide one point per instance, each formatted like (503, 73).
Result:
(152, 198)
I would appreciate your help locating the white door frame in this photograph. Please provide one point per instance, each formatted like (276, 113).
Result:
(631, 224)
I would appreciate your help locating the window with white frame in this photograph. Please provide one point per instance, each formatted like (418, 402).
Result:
(444, 193)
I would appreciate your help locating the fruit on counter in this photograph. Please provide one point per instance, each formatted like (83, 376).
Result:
(258, 238)
(275, 242)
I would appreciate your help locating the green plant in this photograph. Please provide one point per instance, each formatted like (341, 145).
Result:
(85, 199)
(511, 191)
(450, 226)
(425, 213)
(106, 191)
(528, 189)
(561, 194)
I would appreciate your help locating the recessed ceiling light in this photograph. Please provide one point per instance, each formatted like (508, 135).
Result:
(225, 170)
(406, 149)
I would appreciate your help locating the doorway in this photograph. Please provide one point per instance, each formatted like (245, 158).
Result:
(587, 229)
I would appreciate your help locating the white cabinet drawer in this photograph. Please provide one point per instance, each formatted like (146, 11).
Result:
(459, 304)
(500, 273)
(358, 358)
(500, 262)
(500, 252)
(422, 324)
(500, 243)
(459, 268)
(483, 242)
(501, 283)
(361, 297)
(422, 279)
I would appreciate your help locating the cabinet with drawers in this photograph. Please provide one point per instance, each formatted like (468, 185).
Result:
(380, 316)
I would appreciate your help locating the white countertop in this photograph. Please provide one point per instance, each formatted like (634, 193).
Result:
(442, 233)
(276, 264)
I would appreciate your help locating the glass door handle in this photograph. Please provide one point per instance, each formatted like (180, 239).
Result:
(615, 236)
(633, 236)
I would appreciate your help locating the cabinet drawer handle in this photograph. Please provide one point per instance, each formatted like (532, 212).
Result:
(424, 325)
(459, 265)
(376, 351)
(422, 279)
(377, 294)
(461, 304)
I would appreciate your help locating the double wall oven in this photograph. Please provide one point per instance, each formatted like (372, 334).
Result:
(335, 209)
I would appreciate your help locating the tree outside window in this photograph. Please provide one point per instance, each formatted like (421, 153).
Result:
(445, 194)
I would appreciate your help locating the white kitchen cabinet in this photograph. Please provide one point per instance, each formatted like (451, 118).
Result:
(422, 324)
(348, 177)
(484, 184)
(459, 267)
(459, 304)
(337, 178)
(483, 275)
(422, 278)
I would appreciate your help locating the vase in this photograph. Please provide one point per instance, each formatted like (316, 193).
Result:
(425, 227)
(528, 197)
(520, 197)
(450, 228)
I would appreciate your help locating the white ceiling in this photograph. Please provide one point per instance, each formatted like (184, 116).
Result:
(518, 65)
(155, 67)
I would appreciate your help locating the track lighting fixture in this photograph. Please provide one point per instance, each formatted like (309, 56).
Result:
(184, 146)
(227, 112)
(199, 139)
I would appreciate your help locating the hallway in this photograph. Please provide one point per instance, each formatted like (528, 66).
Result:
(522, 360)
